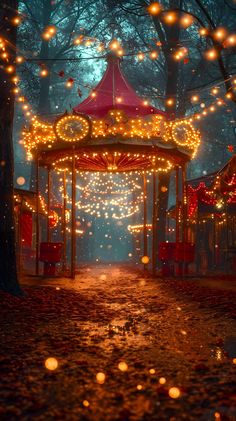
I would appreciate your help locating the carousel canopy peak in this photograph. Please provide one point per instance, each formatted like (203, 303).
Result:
(114, 92)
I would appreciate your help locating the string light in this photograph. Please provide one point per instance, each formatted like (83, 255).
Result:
(211, 54)
(170, 18)
(203, 32)
(154, 8)
(220, 34)
(73, 128)
(186, 20)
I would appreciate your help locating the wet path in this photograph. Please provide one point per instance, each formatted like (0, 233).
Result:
(167, 335)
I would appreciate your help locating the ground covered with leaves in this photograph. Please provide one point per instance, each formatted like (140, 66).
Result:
(165, 349)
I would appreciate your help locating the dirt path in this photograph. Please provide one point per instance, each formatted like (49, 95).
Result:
(169, 330)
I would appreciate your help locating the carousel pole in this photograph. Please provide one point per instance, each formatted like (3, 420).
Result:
(37, 219)
(184, 204)
(154, 225)
(73, 222)
(49, 206)
(177, 205)
(20, 238)
(145, 217)
(64, 222)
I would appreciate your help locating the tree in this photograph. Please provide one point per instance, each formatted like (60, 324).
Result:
(8, 267)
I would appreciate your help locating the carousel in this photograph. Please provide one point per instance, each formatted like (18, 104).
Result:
(112, 131)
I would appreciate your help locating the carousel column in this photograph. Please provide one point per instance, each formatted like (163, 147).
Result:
(145, 217)
(64, 205)
(154, 225)
(177, 205)
(184, 204)
(49, 206)
(37, 219)
(73, 221)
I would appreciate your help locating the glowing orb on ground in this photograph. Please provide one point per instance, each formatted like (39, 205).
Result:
(100, 377)
(20, 181)
(123, 366)
(86, 403)
(51, 363)
(145, 260)
(174, 392)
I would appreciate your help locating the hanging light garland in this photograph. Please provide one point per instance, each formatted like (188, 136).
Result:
(109, 196)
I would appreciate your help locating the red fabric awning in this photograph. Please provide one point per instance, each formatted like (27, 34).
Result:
(114, 92)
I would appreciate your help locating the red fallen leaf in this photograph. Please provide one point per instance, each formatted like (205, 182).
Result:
(230, 148)
(201, 367)
(186, 60)
(61, 73)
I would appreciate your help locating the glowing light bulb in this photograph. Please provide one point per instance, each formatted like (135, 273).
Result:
(154, 54)
(46, 36)
(141, 56)
(211, 54)
(229, 95)
(114, 45)
(170, 102)
(52, 30)
(186, 21)
(230, 41)
(203, 32)
(170, 18)
(19, 59)
(215, 91)
(220, 34)
(195, 98)
(154, 8)
(16, 20)
(43, 72)
(10, 69)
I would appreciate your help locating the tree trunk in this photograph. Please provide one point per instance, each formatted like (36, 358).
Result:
(44, 106)
(172, 33)
(44, 102)
(8, 266)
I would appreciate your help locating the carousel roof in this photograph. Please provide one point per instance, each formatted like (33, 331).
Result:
(112, 130)
(114, 92)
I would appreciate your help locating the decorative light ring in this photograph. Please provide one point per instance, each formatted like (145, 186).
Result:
(72, 128)
(188, 135)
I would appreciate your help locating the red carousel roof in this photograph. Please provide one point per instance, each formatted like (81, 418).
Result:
(114, 92)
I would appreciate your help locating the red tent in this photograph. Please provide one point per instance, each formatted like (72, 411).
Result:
(114, 92)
